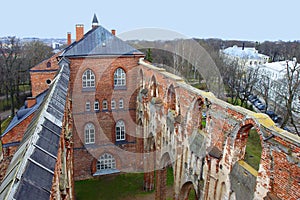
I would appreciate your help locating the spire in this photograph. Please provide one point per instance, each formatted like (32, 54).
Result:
(95, 22)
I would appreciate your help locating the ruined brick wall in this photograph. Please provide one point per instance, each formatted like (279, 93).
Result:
(63, 180)
(104, 120)
(204, 156)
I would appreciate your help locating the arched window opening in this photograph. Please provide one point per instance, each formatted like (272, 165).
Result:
(88, 79)
(89, 131)
(141, 78)
(106, 161)
(253, 149)
(153, 87)
(120, 131)
(172, 98)
(119, 78)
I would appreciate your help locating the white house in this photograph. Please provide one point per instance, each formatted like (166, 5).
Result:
(276, 72)
(245, 55)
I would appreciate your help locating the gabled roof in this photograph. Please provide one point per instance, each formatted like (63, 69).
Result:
(24, 112)
(31, 171)
(99, 41)
(49, 64)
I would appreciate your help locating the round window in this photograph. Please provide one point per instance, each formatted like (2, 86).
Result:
(48, 81)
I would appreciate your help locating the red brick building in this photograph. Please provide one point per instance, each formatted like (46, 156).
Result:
(103, 91)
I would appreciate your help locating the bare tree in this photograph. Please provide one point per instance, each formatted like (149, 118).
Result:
(292, 85)
(10, 64)
(265, 85)
(249, 81)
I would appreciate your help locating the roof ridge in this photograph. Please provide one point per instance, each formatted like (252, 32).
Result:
(100, 41)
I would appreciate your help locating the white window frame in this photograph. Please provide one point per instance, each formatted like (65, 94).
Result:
(113, 104)
(89, 133)
(120, 131)
(119, 78)
(121, 103)
(106, 161)
(104, 104)
(88, 79)
(87, 106)
(96, 105)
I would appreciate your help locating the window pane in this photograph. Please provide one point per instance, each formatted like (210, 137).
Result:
(106, 161)
(119, 77)
(88, 79)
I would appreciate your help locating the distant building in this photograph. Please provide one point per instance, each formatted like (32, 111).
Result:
(247, 56)
(276, 73)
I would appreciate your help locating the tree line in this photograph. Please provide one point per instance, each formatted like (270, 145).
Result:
(16, 58)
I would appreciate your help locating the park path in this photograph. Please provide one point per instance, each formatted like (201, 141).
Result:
(4, 114)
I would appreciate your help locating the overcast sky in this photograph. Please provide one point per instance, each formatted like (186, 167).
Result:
(256, 20)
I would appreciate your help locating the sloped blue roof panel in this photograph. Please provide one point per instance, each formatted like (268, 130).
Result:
(31, 171)
(24, 112)
(100, 41)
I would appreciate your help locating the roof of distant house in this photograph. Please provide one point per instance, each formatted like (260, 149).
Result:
(49, 64)
(24, 112)
(245, 53)
(99, 41)
(279, 66)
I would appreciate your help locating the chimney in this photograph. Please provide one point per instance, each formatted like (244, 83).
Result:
(69, 39)
(31, 101)
(243, 48)
(113, 31)
(79, 31)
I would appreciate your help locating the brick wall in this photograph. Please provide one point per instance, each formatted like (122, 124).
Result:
(40, 81)
(86, 156)
(223, 144)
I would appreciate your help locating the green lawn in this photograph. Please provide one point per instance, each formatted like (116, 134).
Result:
(5, 123)
(170, 177)
(115, 186)
(110, 187)
(249, 107)
(253, 150)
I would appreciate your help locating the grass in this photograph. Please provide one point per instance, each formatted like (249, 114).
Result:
(253, 150)
(5, 103)
(5, 123)
(110, 187)
(239, 102)
(170, 177)
(115, 186)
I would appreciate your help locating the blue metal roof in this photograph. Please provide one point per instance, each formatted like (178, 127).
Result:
(31, 171)
(24, 112)
(99, 41)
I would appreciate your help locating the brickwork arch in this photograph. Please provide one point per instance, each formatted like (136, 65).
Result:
(93, 164)
(196, 113)
(186, 189)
